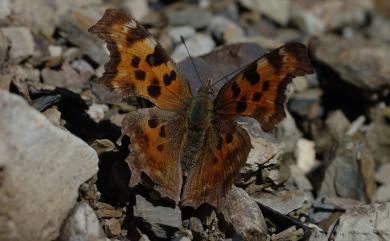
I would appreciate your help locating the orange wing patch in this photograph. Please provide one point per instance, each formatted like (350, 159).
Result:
(155, 139)
(259, 90)
(138, 65)
(225, 151)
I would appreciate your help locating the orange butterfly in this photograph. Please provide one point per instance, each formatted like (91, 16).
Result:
(190, 146)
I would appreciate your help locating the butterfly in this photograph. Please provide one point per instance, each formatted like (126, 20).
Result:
(191, 146)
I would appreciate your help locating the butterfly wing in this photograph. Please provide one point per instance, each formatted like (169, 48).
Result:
(225, 151)
(155, 145)
(138, 65)
(259, 90)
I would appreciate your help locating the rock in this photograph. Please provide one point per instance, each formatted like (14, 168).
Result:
(137, 8)
(361, 63)
(350, 173)
(382, 175)
(181, 31)
(366, 222)
(181, 239)
(278, 11)
(315, 17)
(96, 111)
(288, 131)
(53, 115)
(186, 14)
(305, 154)
(75, 30)
(35, 206)
(67, 77)
(112, 227)
(22, 42)
(337, 124)
(383, 193)
(379, 28)
(197, 45)
(265, 148)
(225, 30)
(162, 221)
(291, 233)
(306, 103)
(5, 9)
(244, 214)
(300, 181)
(378, 134)
(82, 224)
(283, 202)
(109, 213)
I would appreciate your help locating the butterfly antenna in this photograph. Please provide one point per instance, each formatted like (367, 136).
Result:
(192, 61)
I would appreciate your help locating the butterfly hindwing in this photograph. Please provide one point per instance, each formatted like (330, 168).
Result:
(225, 151)
(155, 145)
(138, 65)
(259, 90)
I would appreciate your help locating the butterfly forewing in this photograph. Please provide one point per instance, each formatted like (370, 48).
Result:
(138, 64)
(259, 90)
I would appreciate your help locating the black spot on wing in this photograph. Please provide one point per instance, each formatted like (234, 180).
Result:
(152, 123)
(275, 59)
(167, 79)
(241, 106)
(236, 90)
(158, 57)
(154, 89)
(135, 61)
(162, 132)
(251, 75)
(160, 147)
(265, 86)
(229, 138)
(173, 75)
(140, 74)
(256, 96)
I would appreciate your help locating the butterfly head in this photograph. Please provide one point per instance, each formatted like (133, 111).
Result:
(206, 89)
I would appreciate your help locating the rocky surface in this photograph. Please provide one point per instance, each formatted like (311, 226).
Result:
(35, 162)
(320, 175)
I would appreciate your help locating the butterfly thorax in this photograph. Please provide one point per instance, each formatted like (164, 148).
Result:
(198, 121)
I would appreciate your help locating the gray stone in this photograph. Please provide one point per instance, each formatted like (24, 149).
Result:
(283, 202)
(382, 175)
(337, 124)
(225, 30)
(197, 45)
(277, 10)
(185, 14)
(181, 31)
(158, 217)
(383, 193)
(316, 17)
(362, 223)
(82, 224)
(360, 62)
(41, 171)
(5, 9)
(378, 133)
(379, 28)
(22, 42)
(244, 214)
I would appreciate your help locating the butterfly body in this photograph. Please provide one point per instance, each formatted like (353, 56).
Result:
(190, 146)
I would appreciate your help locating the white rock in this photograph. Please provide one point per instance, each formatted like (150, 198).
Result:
(305, 155)
(82, 224)
(96, 111)
(277, 10)
(41, 167)
(382, 175)
(362, 223)
(22, 42)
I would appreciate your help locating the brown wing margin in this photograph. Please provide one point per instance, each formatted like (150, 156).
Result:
(259, 90)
